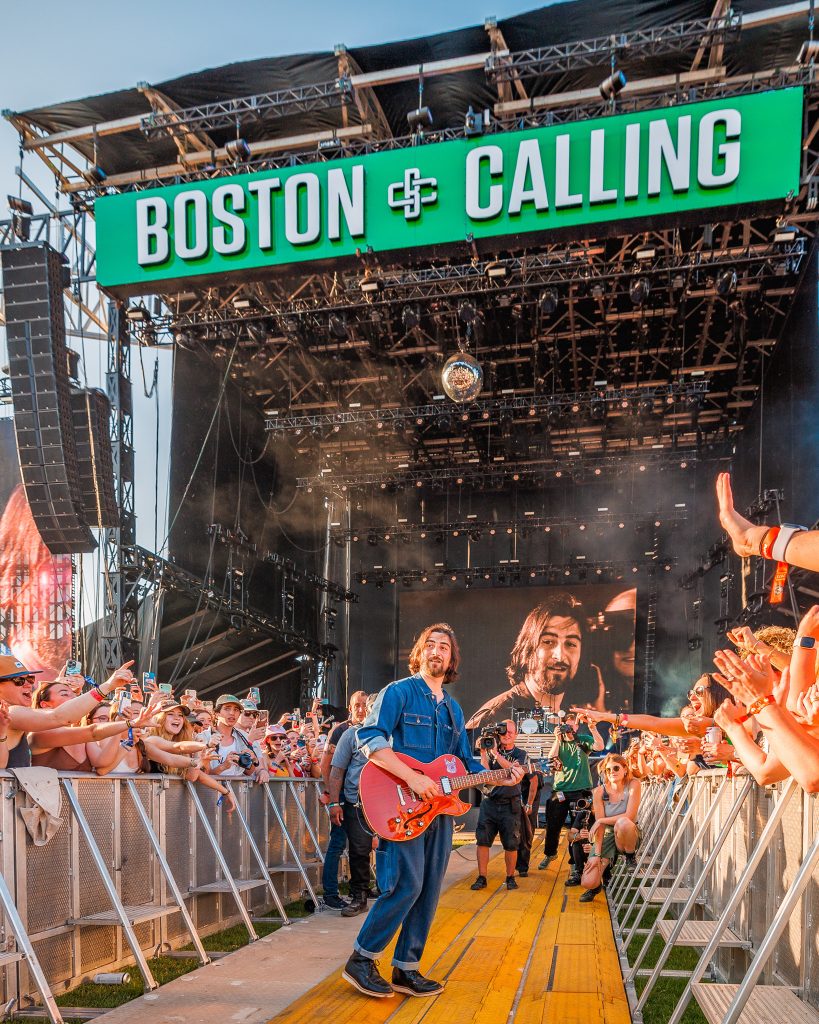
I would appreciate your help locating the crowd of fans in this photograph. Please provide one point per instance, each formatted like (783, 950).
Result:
(122, 728)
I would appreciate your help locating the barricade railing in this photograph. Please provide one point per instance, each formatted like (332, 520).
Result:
(743, 862)
(142, 865)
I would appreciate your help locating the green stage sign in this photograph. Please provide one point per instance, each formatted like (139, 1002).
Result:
(740, 150)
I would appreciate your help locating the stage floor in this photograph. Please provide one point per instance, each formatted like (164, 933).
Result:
(530, 956)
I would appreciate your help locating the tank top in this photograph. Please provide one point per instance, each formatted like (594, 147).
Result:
(60, 760)
(615, 807)
(20, 756)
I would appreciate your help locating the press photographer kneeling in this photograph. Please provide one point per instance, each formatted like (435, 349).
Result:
(501, 805)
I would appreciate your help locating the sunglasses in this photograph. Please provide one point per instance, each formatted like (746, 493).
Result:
(698, 691)
(19, 680)
(614, 768)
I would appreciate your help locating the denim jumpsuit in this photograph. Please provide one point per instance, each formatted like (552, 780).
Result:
(407, 717)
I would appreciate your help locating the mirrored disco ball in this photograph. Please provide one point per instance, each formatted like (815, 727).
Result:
(462, 377)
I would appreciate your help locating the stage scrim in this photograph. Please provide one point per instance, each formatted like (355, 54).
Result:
(35, 586)
(503, 660)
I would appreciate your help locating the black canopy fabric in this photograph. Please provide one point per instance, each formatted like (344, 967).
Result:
(769, 46)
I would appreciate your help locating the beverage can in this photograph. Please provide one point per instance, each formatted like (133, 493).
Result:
(713, 734)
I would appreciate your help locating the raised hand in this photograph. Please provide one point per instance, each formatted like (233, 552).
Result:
(727, 714)
(120, 678)
(736, 526)
(747, 680)
(807, 705)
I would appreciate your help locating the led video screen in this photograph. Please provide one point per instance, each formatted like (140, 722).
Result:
(35, 586)
(530, 647)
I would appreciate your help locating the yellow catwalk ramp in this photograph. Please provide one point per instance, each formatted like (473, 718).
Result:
(531, 956)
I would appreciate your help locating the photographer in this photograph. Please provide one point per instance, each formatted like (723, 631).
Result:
(572, 777)
(531, 788)
(579, 840)
(501, 807)
(232, 753)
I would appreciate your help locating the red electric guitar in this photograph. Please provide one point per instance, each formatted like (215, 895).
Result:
(394, 812)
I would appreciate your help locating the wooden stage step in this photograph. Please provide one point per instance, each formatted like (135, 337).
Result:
(768, 1004)
(700, 933)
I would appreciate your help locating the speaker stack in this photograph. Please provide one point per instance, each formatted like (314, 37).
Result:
(92, 417)
(34, 276)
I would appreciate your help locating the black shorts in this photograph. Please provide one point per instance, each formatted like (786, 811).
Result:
(499, 818)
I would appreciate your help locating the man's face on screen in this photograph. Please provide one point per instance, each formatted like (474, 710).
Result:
(556, 658)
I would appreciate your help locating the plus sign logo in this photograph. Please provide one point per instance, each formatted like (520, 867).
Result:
(416, 192)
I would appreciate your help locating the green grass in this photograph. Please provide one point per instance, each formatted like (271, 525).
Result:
(667, 991)
(165, 968)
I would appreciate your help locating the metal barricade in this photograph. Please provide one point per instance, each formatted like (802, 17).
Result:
(749, 858)
(144, 864)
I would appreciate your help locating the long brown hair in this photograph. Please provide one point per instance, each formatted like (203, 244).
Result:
(185, 733)
(417, 651)
(614, 759)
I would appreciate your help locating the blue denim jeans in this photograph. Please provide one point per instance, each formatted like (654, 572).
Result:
(332, 855)
(409, 875)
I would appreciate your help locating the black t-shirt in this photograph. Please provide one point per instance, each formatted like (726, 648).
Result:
(508, 792)
(337, 733)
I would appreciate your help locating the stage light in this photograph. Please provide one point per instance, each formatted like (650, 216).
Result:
(475, 124)
(646, 252)
(372, 538)
(370, 285)
(95, 175)
(613, 85)
(419, 119)
(474, 536)
(558, 473)
(808, 52)
(726, 283)
(554, 415)
(785, 233)
(238, 150)
(407, 581)
(467, 313)
(597, 409)
(410, 318)
(338, 327)
(467, 581)
(548, 302)
(462, 377)
(645, 406)
(424, 578)
(598, 291)
(454, 577)
(639, 290)
(683, 465)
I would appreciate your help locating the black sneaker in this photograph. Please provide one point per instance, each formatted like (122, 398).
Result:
(546, 862)
(523, 874)
(362, 973)
(479, 883)
(589, 895)
(335, 903)
(573, 879)
(510, 882)
(631, 861)
(413, 983)
(356, 906)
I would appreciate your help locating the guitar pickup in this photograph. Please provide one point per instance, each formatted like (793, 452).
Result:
(446, 786)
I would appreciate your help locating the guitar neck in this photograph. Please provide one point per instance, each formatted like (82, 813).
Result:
(480, 778)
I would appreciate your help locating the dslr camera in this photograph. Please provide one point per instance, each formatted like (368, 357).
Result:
(247, 760)
(490, 735)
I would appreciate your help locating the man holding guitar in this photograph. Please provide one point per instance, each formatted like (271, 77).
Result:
(409, 801)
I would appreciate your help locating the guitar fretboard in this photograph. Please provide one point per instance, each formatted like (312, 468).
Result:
(480, 778)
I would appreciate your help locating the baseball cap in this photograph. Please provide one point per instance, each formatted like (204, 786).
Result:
(274, 730)
(168, 704)
(249, 705)
(227, 698)
(11, 668)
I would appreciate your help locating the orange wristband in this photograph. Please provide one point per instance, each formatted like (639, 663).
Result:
(757, 706)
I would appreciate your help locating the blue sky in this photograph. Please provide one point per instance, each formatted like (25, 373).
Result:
(99, 48)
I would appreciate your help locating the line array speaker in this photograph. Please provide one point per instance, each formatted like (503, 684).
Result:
(33, 277)
(92, 414)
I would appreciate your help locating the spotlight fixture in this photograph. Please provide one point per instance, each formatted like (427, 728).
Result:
(645, 406)
(95, 175)
(410, 317)
(419, 119)
(644, 253)
(639, 290)
(613, 85)
(372, 538)
(726, 282)
(467, 313)
(370, 285)
(808, 52)
(238, 150)
(338, 327)
(496, 270)
(548, 302)
(597, 409)
(786, 233)
(475, 124)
